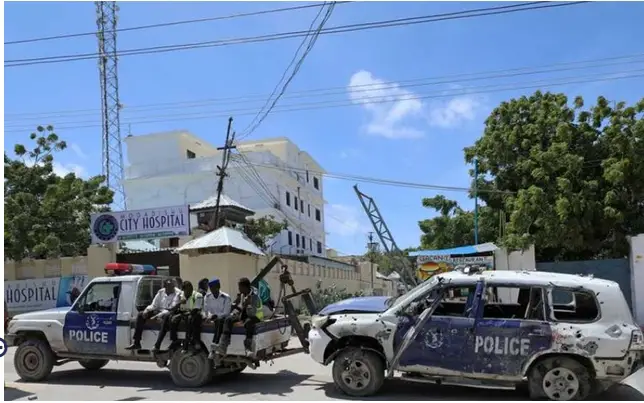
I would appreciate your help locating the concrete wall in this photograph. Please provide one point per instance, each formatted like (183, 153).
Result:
(92, 265)
(229, 267)
(637, 277)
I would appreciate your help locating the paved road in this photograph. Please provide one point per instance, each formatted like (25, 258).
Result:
(291, 378)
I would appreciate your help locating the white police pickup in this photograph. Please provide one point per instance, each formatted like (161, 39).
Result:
(99, 326)
(563, 337)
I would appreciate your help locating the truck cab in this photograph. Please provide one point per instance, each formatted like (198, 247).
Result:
(99, 326)
(487, 329)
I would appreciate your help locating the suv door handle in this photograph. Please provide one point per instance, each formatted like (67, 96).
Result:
(537, 332)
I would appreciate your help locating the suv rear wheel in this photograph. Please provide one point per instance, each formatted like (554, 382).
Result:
(559, 378)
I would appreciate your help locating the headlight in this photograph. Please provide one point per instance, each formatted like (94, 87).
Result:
(319, 321)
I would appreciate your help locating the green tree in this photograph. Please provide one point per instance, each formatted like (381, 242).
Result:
(385, 262)
(567, 178)
(261, 230)
(454, 226)
(47, 215)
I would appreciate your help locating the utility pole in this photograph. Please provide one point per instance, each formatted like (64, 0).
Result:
(476, 201)
(221, 172)
(371, 247)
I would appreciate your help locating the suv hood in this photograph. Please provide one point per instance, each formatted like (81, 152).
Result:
(45, 314)
(357, 305)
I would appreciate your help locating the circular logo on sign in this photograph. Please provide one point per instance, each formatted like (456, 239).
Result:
(3, 347)
(106, 227)
(91, 322)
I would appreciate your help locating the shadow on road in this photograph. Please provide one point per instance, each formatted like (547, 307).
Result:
(15, 393)
(401, 390)
(278, 384)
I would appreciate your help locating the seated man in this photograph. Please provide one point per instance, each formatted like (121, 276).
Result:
(248, 309)
(202, 287)
(166, 300)
(216, 309)
(190, 311)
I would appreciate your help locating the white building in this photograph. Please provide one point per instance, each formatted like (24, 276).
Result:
(173, 168)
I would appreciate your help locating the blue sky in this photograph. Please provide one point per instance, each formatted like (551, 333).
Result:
(416, 141)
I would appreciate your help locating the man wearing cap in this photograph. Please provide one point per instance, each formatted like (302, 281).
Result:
(163, 304)
(216, 307)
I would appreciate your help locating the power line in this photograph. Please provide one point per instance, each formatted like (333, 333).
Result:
(378, 181)
(408, 83)
(294, 34)
(168, 24)
(259, 118)
(371, 100)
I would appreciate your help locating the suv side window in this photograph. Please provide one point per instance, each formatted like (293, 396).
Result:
(510, 302)
(99, 297)
(455, 301)
(576, 305)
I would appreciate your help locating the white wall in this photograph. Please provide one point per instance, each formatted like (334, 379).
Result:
(637, 277)
(156, 182)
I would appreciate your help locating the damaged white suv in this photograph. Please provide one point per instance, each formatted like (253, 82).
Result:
(568, 336)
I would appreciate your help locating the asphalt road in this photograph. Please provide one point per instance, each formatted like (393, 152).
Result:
(291, 378)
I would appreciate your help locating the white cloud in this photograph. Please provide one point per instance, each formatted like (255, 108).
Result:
(78, 151)
(393, 119)
(345, 221)
(453, 112)
(64, 169)
(387, 118)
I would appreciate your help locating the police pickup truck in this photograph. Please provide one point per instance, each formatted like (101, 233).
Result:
(99, 326)
(563, 337)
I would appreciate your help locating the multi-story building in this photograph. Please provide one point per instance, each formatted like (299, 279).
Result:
(173, 168)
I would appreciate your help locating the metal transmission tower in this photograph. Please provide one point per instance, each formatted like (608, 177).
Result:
(405, 272)
(112, 150)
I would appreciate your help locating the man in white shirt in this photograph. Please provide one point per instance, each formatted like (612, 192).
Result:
(163, 304)
(216, 307)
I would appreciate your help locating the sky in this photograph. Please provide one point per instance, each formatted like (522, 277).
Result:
(409, 139)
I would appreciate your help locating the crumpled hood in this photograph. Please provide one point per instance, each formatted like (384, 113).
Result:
(45, 314)
(357, 305)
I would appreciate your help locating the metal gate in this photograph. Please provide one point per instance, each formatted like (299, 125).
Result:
(156, 258)
(617, 270)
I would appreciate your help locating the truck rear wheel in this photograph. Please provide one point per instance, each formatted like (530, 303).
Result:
(190, 370)
(358, 372)
(33, 360)
(93, 365)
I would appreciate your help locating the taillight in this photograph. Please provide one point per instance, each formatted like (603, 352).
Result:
(637, 340)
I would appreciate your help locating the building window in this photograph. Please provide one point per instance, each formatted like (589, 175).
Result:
(295, 205)
(311, 244)
(318, 216)
(302, 206)
(290, 238)
(309, 208)
(307, 176)
(174, 242)
(316, 183)
(303, 242)
(190, 155)
(297, 240)
(319, 247)
(288, 199)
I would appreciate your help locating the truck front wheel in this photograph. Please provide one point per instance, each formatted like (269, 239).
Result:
(93, 365)
(358, 372)
(33, 360)
(190, 370)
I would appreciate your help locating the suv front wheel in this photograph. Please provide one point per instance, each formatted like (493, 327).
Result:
(559, 378)
(358, 372)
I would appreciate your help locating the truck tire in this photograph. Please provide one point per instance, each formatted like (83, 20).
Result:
(93, 365)
(33, 360)
(190, 370)
(559, 378)
(358, 372)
